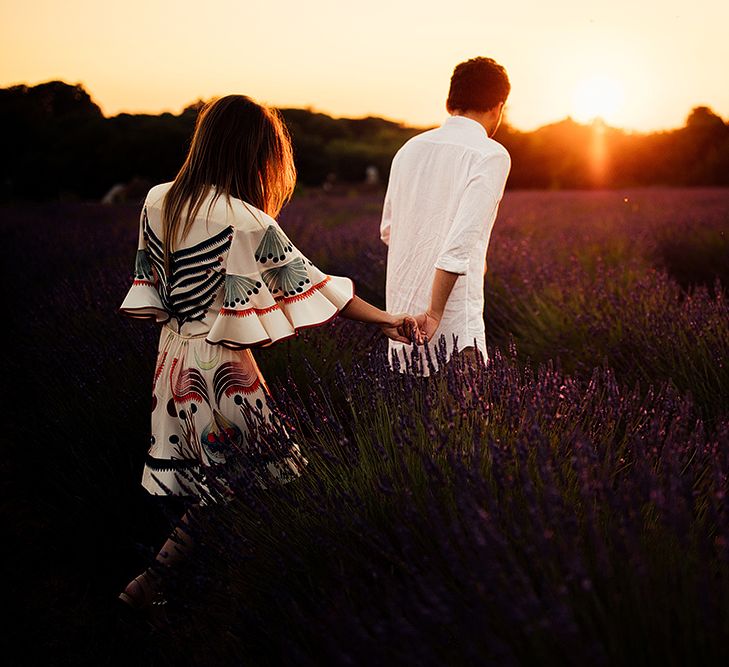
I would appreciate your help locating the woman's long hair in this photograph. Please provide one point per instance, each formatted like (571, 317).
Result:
(241, 148)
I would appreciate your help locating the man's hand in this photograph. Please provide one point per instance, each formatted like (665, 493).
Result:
(402, 327)
(428, 323)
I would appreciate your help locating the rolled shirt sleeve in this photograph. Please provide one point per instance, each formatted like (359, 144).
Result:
(476, 210)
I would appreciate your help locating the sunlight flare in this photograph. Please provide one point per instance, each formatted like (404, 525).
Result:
(597, 96)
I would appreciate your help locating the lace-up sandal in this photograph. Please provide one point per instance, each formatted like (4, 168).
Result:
(140, 597)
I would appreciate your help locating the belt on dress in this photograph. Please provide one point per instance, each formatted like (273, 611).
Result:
(185, 336)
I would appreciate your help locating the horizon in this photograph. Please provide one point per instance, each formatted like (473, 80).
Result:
(613, 60)
(597, 120)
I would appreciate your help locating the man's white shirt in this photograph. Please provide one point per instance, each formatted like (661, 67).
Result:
(442, 198)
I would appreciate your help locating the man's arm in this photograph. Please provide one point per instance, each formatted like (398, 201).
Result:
(429, 321)
(475, 210)
(475, 213)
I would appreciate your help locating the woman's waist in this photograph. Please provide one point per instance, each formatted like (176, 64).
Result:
(187, 330)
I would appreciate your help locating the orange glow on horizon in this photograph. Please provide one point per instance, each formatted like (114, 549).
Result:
(614, 59)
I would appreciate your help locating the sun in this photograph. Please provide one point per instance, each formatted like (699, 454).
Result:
(597, 96)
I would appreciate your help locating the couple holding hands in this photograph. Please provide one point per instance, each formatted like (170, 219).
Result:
(214, 267)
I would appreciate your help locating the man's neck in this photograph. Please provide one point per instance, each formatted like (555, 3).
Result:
(483, 118)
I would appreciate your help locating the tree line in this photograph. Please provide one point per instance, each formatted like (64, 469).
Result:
(58, 144)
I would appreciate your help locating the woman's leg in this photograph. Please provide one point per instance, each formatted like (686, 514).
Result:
(177, 546)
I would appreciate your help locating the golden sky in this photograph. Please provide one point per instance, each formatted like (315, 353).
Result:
(641, 64)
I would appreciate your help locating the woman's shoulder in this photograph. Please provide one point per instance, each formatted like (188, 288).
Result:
(156, 193)
(229, 211)
(249, 218)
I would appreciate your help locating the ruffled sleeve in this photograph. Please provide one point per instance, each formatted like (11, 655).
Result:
(272, 290)
(143, 300)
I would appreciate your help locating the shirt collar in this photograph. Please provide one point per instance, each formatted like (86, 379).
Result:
(462, 121)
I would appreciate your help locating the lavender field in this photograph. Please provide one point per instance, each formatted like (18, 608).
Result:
(565, 505)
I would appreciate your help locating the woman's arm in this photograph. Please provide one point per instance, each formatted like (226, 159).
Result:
(398, 327)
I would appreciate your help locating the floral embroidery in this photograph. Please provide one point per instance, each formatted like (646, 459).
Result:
(274, 246)
(238, 289)
(204, 400)
(287, 280)
(234, 377)
(142, 268)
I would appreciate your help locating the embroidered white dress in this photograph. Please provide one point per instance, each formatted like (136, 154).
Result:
(236, 282)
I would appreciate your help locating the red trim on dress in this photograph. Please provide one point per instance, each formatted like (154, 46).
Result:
(304, 295)
(266, 342)
(230, 312)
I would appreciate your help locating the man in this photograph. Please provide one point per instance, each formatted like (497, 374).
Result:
(442, 198)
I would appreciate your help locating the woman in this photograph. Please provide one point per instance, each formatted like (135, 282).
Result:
(223, 279)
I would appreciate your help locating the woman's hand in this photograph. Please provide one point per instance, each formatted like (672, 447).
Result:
(402, 327)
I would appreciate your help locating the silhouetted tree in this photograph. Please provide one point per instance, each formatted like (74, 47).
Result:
(58, 144)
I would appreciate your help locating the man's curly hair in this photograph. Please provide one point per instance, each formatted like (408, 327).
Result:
(478, 84)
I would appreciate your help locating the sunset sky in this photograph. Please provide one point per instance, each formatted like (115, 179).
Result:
(640, 65)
